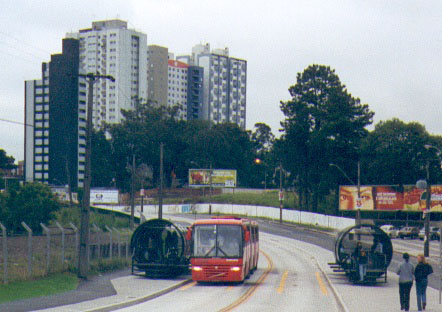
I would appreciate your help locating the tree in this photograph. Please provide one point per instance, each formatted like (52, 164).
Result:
(102, 169)
(394, 153)
(262, 138)
(33, 203)
(6, 162)
(193, 144)
(323, 124)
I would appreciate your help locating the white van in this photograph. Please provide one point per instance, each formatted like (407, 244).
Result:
(390, 230)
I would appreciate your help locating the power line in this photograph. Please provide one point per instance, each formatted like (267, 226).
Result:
(16, 122)
(21, 41)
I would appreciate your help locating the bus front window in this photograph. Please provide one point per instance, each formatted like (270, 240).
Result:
(224, 241)
(229, 241)
(205, 241)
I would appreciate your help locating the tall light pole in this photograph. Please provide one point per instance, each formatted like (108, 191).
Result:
(160, 200)
(428, 203)
(210, 192)
(132, 193)
(358, 186)
(281, 194)
(83, 261)
(258, 161)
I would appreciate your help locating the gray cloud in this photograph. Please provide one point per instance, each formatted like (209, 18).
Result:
(386, 52)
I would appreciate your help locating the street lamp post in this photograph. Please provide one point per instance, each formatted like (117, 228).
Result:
(83, 261)
(160, 199)
(428, 203)
(358, 186)
(281, 195)
(427, 213)
(210, 193)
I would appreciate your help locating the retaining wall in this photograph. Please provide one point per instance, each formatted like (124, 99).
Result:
(295, 216)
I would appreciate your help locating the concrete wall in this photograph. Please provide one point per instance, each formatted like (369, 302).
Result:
(295, 216)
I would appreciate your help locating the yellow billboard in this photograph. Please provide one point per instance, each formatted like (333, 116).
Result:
(214, 178)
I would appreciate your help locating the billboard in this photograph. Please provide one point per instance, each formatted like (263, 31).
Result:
(100, 196)
(220, 178)
(389, 198)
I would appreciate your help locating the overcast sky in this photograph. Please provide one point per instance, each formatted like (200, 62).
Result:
(387, 53)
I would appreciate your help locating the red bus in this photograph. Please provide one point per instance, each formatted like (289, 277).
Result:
(223, 249)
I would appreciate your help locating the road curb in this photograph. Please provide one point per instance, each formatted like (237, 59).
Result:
(139, 300)
(336, 294)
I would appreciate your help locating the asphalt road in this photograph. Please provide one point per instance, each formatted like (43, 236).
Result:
(286, 280)
(326, 241)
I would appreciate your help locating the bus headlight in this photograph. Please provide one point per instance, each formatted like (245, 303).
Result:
(197, 269)
(235, 269)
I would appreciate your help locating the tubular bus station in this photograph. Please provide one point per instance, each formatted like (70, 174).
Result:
(363, 252)
(159, 248)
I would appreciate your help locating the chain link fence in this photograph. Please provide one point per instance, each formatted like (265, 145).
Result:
(55, 249)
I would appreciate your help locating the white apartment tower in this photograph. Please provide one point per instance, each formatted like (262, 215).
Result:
(177, 87)
(224, 84)
(110, 48)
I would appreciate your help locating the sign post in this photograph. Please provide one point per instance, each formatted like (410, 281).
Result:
(142, 200)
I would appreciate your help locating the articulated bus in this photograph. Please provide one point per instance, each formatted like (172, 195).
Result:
(223, 249)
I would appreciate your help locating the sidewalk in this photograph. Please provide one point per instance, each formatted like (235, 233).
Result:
(379, 297)
(130, 290)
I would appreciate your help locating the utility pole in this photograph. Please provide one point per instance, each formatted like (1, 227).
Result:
(210, 193)
(427, 213)
(359, 201)
(428, 201)
(132, 193)
(160, 200)
(280, 192)
(83, 261)
(68, 175)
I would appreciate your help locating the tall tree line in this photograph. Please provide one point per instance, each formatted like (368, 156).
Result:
(324, 124)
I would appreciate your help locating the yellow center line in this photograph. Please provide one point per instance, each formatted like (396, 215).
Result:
(185, 287)
(321, 284)
(253, 288)
(282, 283)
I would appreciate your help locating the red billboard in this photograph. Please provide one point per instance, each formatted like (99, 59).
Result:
(389, 198)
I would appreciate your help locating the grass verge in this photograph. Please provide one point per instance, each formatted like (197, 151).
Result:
(268, 198)
(51, 285)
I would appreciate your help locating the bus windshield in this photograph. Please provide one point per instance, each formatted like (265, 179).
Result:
(217, 240)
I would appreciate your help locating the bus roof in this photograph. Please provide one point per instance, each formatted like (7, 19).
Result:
(220, 220)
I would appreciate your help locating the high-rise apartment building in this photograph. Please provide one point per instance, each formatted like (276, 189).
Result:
(157, 74)
(195, 75)
(177, 87)
(55, 116)
(224, 84)
(110, 48)
(172, 82)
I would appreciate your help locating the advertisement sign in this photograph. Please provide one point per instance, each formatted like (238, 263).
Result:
(99, 196)
(219, 177)
(389, 198)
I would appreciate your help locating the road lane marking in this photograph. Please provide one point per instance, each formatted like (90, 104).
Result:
(282, 283)
(185, 287)
(229, 288)
(321, 284)
(253, 288)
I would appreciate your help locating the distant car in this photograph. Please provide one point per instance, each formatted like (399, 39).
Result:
(390, 230)
(409, 231)
(434, 233)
